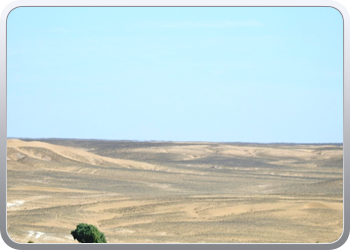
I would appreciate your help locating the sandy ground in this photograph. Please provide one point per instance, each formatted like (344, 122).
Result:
(166, 192)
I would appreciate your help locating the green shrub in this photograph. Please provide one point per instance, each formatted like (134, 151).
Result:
(30, 241)
(85, 233)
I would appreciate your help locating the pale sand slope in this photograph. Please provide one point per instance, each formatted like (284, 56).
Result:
(70, 153)
(175, 192)
(30, 149)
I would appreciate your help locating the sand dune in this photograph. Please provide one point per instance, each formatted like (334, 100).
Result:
(190, 192)
(29, 149)
(197, 151)
(70, 153)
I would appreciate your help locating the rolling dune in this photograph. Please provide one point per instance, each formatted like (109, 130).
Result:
(174, 191)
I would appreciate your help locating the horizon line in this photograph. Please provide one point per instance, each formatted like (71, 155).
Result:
(135, 140)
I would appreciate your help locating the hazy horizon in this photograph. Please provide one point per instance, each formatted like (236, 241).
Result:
(136, 140)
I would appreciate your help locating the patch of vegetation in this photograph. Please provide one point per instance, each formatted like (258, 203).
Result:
(85, 233)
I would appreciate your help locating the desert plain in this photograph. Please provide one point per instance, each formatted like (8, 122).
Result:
(174, 192)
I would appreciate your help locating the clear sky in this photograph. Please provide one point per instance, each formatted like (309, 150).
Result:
(179, 74)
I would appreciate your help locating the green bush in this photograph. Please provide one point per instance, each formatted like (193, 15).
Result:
(85, 233)
(30, 241)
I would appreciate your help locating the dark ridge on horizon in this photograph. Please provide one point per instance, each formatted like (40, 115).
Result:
(167, 141)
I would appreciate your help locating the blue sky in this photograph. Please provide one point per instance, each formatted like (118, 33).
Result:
(179, 74)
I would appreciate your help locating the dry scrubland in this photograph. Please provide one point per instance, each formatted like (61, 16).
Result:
(140, 192)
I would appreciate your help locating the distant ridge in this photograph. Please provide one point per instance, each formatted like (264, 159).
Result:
(167, 141)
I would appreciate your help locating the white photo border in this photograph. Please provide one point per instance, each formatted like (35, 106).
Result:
(174, 3)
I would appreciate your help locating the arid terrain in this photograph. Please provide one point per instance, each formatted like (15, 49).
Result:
(169, 192)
